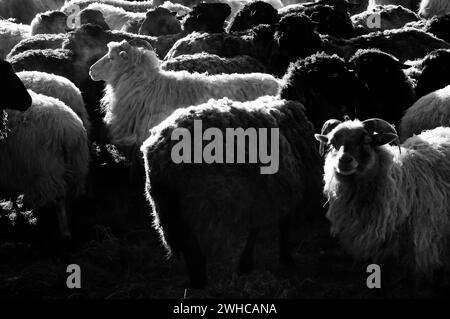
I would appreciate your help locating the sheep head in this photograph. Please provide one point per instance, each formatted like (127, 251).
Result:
(352, 144)
(12, 90)
(123, 58)
(160, 21)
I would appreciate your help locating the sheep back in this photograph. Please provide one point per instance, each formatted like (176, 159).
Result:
(218, 200)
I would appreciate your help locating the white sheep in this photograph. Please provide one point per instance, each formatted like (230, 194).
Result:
(116, 17)
(139, 94)
(10, 34)
(430, 111)
(388, 201)
(25, 10)
(430, 8)
(58, 87)
(141, 6)
(45, 156)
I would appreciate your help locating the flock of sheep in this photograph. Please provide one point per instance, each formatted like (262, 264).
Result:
(362, 75)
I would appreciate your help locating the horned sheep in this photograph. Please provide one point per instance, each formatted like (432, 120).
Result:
(139, 94)
(385, 201)
(202, 210)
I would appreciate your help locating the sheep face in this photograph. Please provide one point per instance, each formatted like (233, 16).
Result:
(160, 21)
(110, 65)
(435, 72)
(352, 147)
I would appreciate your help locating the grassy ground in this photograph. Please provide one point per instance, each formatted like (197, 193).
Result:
(121, 257)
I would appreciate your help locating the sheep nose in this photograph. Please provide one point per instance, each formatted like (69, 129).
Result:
(346, 159)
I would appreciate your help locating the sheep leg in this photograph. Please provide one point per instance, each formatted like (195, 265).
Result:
(195, 262)
(246, 262)
(62, 219)
(285, 247)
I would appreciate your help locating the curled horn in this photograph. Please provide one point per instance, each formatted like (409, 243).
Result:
(141, 43)
(327, 127)
(381, 126)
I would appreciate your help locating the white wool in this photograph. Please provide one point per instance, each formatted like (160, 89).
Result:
(10, 34)
(401, 209)
(176, 7)
(430, 8)
(142, 95)
(58, 87)
(45, 155)
(430, 111)
(116, 17)
(141, 6)
(25, 10)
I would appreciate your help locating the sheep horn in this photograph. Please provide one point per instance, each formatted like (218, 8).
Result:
(327, 127)
(381, 126)
(378, 125)
(141, 43)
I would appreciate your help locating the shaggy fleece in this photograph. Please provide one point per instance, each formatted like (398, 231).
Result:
(220, 202)
(402, 209)
(141, 95)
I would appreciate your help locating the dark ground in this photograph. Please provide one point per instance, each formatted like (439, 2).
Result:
(121, 257)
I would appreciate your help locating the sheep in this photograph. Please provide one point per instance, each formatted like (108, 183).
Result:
(93, 17)
(206, 17)
(430, 111)
(430, 8)
(325, 86)
(10, 34)
(201, 210)
(253, 14)
(391, 91)
(139, 94)
(439, 27)
(328, 19)
(58, 87)
(160, 21)
(389, 202)
(412, 5)
(213, 64)
(78, 52)
(45, 156)
(49, 22)
(390, 17)
(434, 72)
(141, 6)
(13, 92)
(396, 42)
(275, 46)
(38, 42)
(25, 10)
(115, 17)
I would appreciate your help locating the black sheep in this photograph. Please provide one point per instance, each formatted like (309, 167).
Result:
(391, 91)
(435, 72)
(325, 86)
(253, 14)
(439, 26)
(206, 17)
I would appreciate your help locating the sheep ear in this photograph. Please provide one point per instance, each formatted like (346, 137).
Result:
(123, 55)
(383, 138)
(323, 139)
